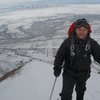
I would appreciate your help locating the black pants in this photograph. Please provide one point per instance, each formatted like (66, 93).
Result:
(71, 79)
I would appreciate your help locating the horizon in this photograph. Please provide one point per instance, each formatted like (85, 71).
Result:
(13, 5)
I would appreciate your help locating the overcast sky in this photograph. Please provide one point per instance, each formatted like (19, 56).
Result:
(14, 1)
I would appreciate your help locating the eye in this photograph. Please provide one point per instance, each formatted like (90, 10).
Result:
(79, 29)
(85, 30)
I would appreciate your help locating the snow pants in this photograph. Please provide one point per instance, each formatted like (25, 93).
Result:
(71, 79)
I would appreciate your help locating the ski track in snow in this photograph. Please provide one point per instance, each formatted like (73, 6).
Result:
(35, 83)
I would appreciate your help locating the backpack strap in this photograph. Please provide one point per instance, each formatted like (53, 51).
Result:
(88, 47)
(72, 47)
(72, 53)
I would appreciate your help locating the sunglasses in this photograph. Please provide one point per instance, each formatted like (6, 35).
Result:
(81, 22)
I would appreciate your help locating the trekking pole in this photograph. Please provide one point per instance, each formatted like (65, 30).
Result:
(53, 88)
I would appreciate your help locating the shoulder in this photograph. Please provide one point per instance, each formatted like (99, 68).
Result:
(93, 43)
(66, 41)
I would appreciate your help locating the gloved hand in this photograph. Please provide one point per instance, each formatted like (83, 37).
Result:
(57, 72)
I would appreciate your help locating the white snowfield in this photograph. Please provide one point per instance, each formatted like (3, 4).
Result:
(17, 21)
(35, 82)
(70, 9)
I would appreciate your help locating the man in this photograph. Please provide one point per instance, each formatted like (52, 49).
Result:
(75, 56)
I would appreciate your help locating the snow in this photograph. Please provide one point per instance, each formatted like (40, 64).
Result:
(9, 61)
(70, 9)
(35, 82)
(30, 84)
(93, 90)
(18, 23)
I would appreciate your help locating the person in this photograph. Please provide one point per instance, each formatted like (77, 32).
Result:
(74, 57)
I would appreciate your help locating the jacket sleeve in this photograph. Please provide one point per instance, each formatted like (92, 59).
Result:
(96, 51)
(60, 56)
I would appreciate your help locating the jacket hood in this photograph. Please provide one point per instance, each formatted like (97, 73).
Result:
(73, 26)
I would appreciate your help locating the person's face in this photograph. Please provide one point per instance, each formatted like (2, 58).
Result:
(81, 32)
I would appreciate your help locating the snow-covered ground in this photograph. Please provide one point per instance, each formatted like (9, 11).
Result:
(35, 82)
(10, 61)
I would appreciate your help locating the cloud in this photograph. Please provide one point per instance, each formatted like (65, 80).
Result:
(13, 1)
(7, 2)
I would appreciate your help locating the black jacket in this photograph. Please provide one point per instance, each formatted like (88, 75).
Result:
(81, 60)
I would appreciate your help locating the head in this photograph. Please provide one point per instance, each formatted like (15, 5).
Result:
(81, 28)
(81, 32)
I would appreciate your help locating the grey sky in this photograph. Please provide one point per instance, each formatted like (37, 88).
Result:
(14, 1)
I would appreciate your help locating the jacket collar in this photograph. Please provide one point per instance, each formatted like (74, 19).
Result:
(80, 41)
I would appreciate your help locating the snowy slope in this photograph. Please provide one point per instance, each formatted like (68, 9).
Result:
(35, 82)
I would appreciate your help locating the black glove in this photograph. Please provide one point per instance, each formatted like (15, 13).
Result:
(57, 72)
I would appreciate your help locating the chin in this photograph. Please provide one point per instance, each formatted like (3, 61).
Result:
(81, 37)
